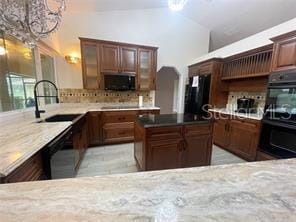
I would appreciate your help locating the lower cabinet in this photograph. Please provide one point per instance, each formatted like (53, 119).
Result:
(160, 148)
(118, 132)
(118, 126)
(221, 134)
(165, 154)
(94, 128)
(197, 157)
(31, 170)
(261, 156)
(80, 140)
(240, 136)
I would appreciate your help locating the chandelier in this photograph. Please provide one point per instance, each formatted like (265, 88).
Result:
(30, 20)
(176, 5)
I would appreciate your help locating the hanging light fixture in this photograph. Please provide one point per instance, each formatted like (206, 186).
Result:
(176, 5)
(30, 20)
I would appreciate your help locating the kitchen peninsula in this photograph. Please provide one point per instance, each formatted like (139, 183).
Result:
(171, 141)
(259, 191)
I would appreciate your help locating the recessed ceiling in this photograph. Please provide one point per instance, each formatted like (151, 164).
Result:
(228, 20)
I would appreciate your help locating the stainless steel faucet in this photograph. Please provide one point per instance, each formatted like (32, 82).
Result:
(37, 111)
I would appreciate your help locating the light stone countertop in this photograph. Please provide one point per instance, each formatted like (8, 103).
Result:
(255, 116)
(253, 192)
(21, 138)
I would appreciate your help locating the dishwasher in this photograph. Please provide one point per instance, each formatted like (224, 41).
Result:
(58, 157)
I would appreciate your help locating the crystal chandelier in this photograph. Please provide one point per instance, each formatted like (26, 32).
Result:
(176, 5)
(30, 20)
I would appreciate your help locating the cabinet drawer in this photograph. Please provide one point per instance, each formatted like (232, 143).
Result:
(119, 116)
(165, 133)
(247, 124)
(31, 170)
(144, 112)
(119, 131)
(196, 130)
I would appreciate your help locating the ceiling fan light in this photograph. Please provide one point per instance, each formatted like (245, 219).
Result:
(176, 5)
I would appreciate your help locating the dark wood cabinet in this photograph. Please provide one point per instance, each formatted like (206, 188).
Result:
(218, 90)
(284, 57)
(244, 138)
(129, 60)
(159, 148)
(221, 135)
(118, 126)
(109, 56)
(80, 140)
(146, 69)
(249, 64)
(101, 57)
(30, 170)
(165, 154)
(90, 65)
(94, 128)
(237, 135)
(261, 156)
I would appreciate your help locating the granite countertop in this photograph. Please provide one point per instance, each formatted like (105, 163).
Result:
(255, 116)
(23, 137)
(258, 191)
(151, 120)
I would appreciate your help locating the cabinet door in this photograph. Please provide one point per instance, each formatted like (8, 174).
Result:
(221, 134)
(94, 128)
(109, 58)
(284, 55)
(244, 139)
(197, 151)
(128, 60)
(147, 69)
(90, 66)
(164, 154)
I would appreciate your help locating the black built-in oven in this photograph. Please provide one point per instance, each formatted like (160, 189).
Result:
(278, 134)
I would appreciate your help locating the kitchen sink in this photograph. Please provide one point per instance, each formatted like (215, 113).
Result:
(62, 118)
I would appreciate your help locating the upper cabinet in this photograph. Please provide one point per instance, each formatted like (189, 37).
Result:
(250, 64)
(147, 69)
(128, 57)
(90, 65)
(109, 55)
(101, 58)
(284, 57)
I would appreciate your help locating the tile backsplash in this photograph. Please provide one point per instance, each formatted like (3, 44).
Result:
(259, 97)
(102, 96)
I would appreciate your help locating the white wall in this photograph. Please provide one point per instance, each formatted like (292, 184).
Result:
(179, 39)
(254, 41)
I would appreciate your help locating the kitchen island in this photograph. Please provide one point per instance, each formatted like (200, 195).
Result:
(172, 141)
(259, 191)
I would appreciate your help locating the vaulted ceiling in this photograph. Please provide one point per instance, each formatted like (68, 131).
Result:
(228, 20)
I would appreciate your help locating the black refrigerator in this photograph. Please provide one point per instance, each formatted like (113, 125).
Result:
(197, 95)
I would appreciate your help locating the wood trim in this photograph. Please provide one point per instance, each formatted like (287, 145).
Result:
(261, 49)
(117, 43)
(288, 35)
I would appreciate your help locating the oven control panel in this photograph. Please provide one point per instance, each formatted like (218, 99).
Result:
(287, 77)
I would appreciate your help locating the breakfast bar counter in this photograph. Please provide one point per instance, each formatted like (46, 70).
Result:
(259, 191)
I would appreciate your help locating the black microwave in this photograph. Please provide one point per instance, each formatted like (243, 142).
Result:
(119, 82)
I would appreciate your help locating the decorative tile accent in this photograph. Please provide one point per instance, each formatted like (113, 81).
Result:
(259, 97)
(102, 96)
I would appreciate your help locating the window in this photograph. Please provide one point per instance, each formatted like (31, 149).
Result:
(17, 74)
(20, 68)
(48, 73)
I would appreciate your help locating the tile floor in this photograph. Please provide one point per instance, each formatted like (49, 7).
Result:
(117, 159)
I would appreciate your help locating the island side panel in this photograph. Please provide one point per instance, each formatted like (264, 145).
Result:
(140, 146)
